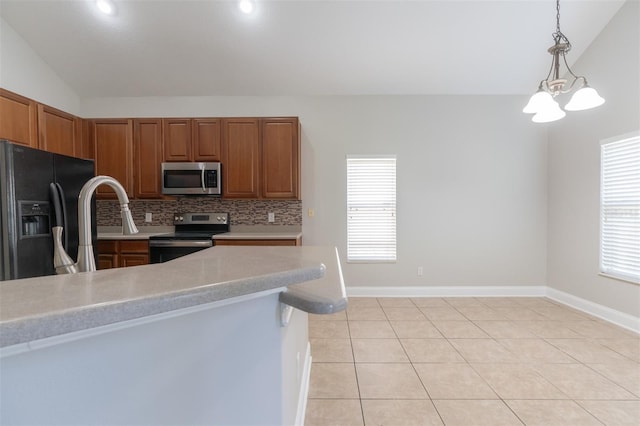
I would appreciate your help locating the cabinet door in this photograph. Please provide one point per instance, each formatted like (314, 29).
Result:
(59, 132)
(107, 261)
(177, 139)
(18, 122)
(107, 254)
(133, 260)
(280, 158)
(241, 158)
(206, 139)
(113, 149)
(147, 141)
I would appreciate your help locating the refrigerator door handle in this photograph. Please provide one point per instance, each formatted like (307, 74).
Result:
(64, 214)
(57, 198)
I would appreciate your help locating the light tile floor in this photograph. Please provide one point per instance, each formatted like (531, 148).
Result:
(470, 361)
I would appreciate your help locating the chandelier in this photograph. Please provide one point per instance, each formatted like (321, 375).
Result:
(542, 103)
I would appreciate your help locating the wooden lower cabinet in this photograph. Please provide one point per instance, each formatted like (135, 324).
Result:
(122, 253)
(260, 242)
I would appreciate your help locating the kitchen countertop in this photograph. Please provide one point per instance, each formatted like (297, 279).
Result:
(246, 232)
(121, 236)
(115, 232)
(258, 236)
(37, 308)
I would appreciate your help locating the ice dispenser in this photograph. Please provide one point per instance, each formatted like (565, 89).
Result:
(34, 219)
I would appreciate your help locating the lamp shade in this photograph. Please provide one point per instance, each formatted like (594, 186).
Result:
(585, 98)
(551, 112)
(539, 101)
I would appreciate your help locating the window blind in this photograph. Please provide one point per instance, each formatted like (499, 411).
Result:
(371, 209)
(620, 209)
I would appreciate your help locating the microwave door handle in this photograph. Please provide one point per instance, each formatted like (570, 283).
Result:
(202, 179)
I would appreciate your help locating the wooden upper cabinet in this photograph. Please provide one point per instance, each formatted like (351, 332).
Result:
(206, 134)
(18, 119)
(59, 132)
(177, 139)
(147, 153)
(113, 149)
(195, 139)
(280, 158)
(240, 157)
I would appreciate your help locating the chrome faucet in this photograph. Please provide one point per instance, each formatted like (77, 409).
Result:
(86, 261)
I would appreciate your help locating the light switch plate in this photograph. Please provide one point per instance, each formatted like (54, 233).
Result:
(148, 217)
(271, 217)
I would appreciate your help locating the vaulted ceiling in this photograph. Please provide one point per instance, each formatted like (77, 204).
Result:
(303, 47)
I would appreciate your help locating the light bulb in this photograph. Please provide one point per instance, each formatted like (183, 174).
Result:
(246, 6)
(585, 98)
(538, 102)
(551, 112)
(106, 6)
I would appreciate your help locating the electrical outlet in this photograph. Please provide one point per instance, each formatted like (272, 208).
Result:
(148, 217)
(420, 271)
(311, 212)
(271, 217)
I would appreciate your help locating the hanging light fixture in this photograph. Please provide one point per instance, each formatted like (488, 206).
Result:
(542, 103)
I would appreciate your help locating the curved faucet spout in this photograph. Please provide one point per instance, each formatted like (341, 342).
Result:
(86, 261)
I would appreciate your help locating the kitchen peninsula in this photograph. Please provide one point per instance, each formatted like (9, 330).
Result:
(209, 338)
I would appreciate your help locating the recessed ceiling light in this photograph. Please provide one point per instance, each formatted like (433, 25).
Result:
(246, 6)
(106, 6)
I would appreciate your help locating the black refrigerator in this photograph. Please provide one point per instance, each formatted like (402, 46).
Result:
(27, 208)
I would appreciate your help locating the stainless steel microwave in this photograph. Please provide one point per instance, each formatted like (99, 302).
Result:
(191, 179)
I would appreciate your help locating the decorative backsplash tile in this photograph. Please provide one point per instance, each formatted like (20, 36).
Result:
(241, 212)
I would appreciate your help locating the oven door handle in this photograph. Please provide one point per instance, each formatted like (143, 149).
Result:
(162, 243)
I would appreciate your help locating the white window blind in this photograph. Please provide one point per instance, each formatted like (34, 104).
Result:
(371, 209)
(620, 209)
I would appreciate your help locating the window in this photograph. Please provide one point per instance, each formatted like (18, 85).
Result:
(620, 208)
(371, 209)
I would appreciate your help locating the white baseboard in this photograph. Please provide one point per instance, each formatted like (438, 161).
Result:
(611, 315)
(603, 312)
(449, 291)
(303, 392)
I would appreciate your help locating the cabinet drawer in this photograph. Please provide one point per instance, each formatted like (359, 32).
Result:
(134, 246)
(107, 247)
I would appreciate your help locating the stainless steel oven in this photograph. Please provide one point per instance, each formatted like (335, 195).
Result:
(193, 232)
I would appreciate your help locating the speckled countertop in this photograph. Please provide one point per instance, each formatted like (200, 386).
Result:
(36, 308)
(258, 236)
(237, 233)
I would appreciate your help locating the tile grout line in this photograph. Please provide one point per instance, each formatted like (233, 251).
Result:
(582, 333)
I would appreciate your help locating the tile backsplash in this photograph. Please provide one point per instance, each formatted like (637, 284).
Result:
(241, 212)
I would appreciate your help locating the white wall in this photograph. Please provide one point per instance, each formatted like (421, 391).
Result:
(471, 178)
(25, 73)
(471, 170)
(612, 66)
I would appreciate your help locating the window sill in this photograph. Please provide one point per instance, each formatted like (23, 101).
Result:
(614, 277)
